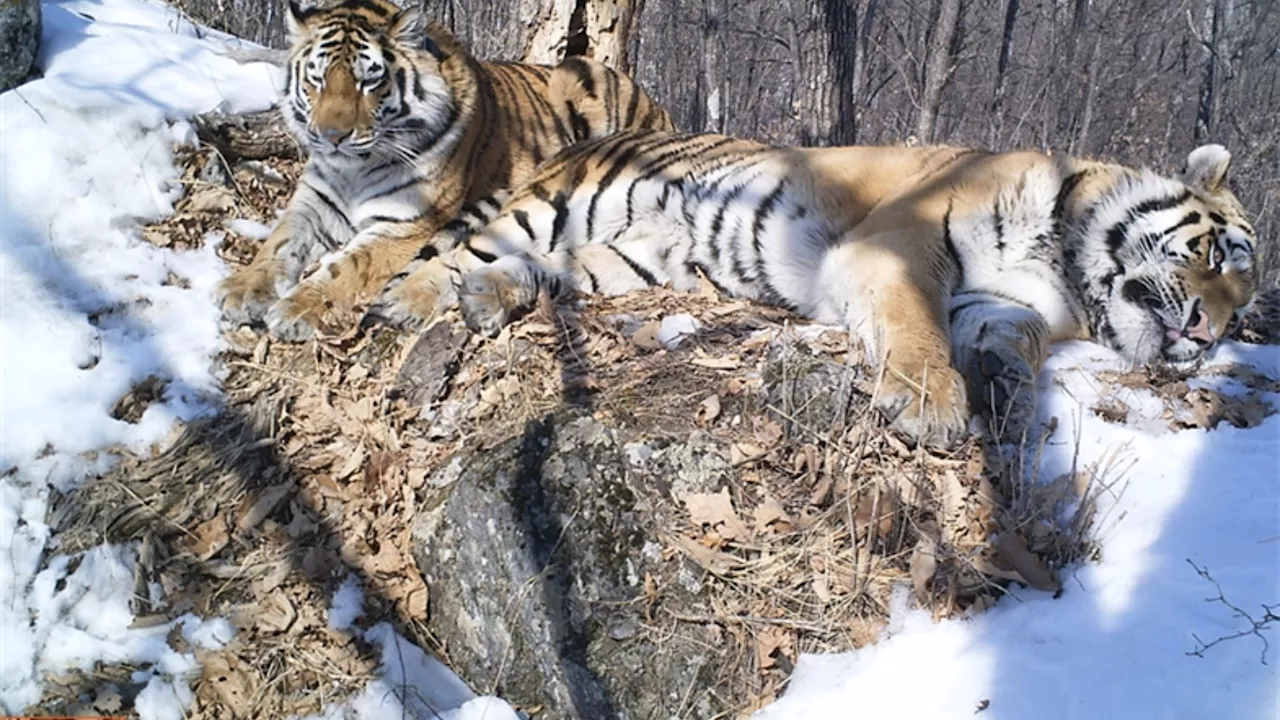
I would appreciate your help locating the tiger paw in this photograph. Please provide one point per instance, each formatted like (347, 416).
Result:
(411, 298)
(246, 296)
(940, 421)
(488, 300)
(297, 315)
(1002, 390)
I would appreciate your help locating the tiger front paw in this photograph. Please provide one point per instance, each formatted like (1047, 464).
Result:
(489, 300)
(246, 296)
(940, 420)
(295, 317)
(1002, 390)
(411, 299)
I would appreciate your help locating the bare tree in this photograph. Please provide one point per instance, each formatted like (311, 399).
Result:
(937, 66)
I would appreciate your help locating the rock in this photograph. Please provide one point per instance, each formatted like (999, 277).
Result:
(20, 38)
(537, 555)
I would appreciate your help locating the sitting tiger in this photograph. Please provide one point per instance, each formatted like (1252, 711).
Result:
(405, 128)
(956, 268)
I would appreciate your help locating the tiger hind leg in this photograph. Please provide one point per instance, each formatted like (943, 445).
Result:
(999, 346)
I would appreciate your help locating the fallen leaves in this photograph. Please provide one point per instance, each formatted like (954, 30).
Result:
(715, 512)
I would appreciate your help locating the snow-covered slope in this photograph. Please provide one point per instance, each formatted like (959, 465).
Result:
(1116, 644)
(87, 310)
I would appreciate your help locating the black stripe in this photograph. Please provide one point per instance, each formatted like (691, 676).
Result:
(765, 209)
(427, 252)
(949, 242)
(1116, 234)
(999, 225)
(522, 219)
(413, 180)
(561, 205)
(1190, 218)
(329, 203)
(614, 171)
(680, 148)
(483, 256)
(636, 268)
(1060, 203)
(595, 282)
(717, 222)
(632, 105)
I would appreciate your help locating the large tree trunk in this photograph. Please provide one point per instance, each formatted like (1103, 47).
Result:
(937, 67)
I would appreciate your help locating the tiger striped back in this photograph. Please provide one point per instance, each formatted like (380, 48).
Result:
(405, 128)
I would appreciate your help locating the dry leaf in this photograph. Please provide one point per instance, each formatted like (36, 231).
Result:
(1113, 410)
(211, 199)
(229, 679)
(646, 338)
(767, 432)
(716, 511)
(725, 362)
(210, 537)
(770, 512)
(771, 640)
(713, 561)
(709, 410)
(267, 502)
(745, 452)
(821, 588)
(1209, 408)
(924, 561)
(275, 613)
(354, 462)
(1012, 549)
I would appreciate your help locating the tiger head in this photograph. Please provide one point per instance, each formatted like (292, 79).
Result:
(364, 79)
(1173, 259)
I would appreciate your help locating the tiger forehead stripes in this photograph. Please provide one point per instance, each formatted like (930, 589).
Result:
(405, 129)
(956, 268)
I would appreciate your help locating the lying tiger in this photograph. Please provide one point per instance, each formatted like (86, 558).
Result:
(405, 128)
(956, 267)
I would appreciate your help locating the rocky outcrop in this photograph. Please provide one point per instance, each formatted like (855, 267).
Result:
(538, 555)
(20, 38)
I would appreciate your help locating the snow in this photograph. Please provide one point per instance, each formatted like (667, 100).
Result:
(411, 684)
(1117, 642)
(87, 310)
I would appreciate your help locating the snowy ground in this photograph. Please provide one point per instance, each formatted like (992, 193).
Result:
(1116, 643)
(87, 309)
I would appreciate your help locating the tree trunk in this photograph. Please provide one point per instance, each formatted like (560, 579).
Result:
(937, 67)
(1002, 67)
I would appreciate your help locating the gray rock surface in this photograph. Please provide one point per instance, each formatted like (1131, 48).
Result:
(536, 554)
(19, 38)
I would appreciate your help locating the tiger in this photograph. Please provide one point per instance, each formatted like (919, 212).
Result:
(956, 268)
(404, 130)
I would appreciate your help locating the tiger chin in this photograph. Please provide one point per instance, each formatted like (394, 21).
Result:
(957, 268)
(404, 129)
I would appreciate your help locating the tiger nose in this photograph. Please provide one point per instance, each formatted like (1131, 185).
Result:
(1199, 328)
(334, 135)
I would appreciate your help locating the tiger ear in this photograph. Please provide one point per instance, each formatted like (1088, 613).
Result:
(296, 18)
(1207, 168)
(409, 27)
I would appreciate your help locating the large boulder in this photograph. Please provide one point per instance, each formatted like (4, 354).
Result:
(538, 553)
(20, 38)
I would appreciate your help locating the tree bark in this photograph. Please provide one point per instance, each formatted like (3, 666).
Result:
(1002, 62)
(253, 136)
(937, 67)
